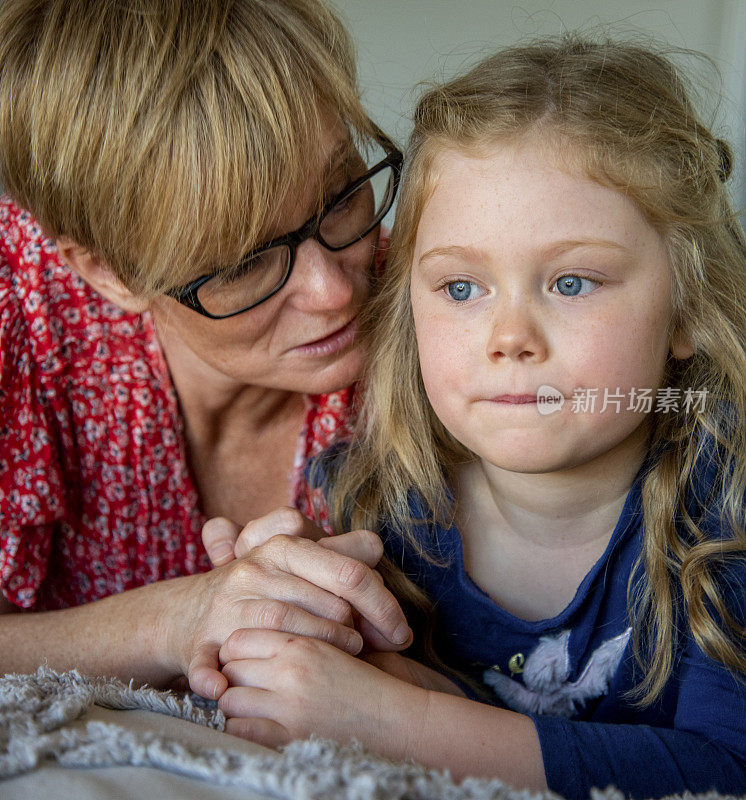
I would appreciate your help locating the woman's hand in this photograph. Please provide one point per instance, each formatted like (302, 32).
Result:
(288, 583)
(224, 540)
(285, 687)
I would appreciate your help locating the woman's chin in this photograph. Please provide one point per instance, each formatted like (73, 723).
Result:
(331, 375)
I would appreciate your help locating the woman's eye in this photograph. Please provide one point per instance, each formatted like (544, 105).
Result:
(573, 285)
(340, 207)
(462, 290)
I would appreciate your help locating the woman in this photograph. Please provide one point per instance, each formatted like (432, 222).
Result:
(153, 374)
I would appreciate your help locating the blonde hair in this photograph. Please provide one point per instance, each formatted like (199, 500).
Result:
(165, 136)
(623, 115)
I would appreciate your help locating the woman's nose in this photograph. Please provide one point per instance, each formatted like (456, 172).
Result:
(321, 279)
(516, 333)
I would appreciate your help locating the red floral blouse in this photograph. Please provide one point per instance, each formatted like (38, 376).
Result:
(95, 493)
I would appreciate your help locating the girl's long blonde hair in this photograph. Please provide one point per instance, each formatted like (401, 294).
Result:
(623, 116)
(166, 135)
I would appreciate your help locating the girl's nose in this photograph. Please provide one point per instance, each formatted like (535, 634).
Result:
(321, 280)
(516, 334)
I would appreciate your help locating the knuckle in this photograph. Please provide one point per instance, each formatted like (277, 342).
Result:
(247, 572)
(328, 633)
(289, 520)
(277, 545)
(297, 670)
(272, 614)
(236, 640)
(387, 609)
(296, 676)
(282, 540)
(353, 575)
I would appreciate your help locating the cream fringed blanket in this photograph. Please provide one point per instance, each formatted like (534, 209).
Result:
(54, 725)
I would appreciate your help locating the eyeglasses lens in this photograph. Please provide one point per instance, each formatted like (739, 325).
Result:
(264, 273)
(353, 216)
(359, 211)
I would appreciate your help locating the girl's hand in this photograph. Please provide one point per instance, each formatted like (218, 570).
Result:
(286, 687)
(290, 584)
(413, 672)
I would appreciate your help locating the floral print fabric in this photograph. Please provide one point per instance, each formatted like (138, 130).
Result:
(96, 496)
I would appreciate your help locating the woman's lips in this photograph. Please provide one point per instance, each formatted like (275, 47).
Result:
(332, 343)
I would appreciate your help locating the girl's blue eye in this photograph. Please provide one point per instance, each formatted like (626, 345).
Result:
(460, 290)
(572, 285)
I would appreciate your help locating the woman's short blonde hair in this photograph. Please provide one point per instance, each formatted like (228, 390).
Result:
(165, 135)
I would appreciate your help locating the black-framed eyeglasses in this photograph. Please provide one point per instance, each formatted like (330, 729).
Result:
(344, 220)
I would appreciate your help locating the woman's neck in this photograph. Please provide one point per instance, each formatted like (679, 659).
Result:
(240, 439)
(213, 404)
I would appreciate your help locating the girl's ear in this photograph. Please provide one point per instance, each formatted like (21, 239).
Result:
(680, 346)
(98, 275)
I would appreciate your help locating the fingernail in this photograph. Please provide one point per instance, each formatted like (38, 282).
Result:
(221, 552)
(401, 634)
(354, 643)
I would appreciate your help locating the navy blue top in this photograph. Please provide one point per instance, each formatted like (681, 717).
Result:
(570, 673)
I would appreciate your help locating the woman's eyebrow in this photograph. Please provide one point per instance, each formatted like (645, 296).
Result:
(339, 158)
(337, 164)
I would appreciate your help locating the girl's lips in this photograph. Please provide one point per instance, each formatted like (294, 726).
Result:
(515, 399)
(332, 343)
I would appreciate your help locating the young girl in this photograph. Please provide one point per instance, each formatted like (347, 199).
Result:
(553, 446)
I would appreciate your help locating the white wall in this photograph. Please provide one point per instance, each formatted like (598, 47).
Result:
(402, 42)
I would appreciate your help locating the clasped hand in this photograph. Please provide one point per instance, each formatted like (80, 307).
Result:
(278, 577)
(292, 671)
